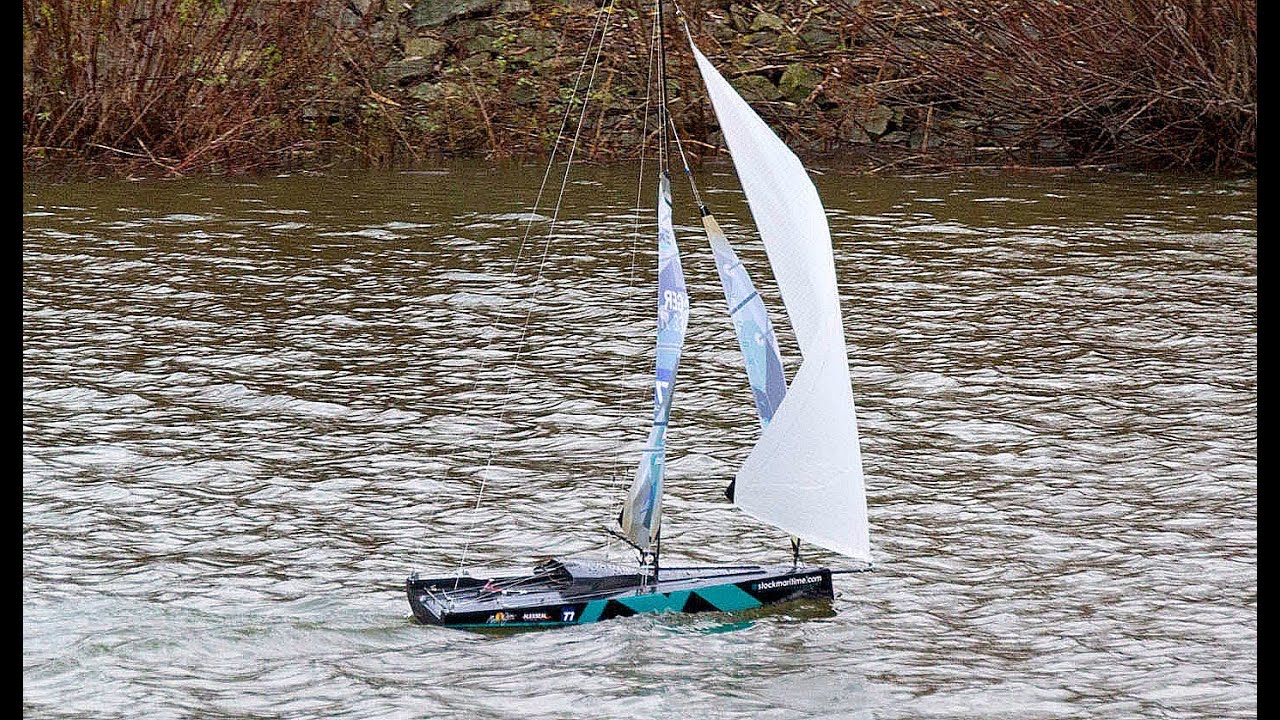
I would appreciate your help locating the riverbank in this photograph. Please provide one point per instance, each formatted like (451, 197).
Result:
(171, 88)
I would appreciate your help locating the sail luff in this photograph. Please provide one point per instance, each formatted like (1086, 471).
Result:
(641, 518)
(804, 475)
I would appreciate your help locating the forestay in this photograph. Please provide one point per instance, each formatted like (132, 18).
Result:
(804, 475)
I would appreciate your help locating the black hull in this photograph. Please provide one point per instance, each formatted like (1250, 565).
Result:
(577, 593)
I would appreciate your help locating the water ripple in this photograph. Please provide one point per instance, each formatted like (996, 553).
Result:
(250, 409)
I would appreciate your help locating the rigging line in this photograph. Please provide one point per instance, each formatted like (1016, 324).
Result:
(573, 147)
(697, 197)
(664, 151)
(537, 282)
(644, 141)
(683, 20)
(533, 212)
(635, 238)
(564, 123)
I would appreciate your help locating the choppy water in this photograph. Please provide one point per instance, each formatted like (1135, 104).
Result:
(250, 408)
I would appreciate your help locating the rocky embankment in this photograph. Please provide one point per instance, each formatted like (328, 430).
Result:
(494, 76)
(244, 85)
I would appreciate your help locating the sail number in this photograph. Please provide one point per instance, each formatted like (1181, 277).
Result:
(660, 390)
(674, 301)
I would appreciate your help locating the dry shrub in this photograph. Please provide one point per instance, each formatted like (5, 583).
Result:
(182, 84)
(185, 85)
(1157, 83)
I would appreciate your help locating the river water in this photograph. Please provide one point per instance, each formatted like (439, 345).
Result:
(252, 407)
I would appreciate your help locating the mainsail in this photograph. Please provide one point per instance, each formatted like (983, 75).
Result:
(641, 518)
(804, 475)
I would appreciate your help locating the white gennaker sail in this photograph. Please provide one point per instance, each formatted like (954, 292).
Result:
(804, 475)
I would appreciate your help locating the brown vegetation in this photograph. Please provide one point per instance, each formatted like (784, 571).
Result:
(185, 85)
(1136, 82)
(232, 85)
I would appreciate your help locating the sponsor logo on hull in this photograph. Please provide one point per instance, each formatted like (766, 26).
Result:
(786, 582)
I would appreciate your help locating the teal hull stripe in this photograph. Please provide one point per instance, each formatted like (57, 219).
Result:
(657, 602)
(591, 612)
(725, 598)
(729, 598)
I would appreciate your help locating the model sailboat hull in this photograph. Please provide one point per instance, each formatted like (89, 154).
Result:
(582, 592)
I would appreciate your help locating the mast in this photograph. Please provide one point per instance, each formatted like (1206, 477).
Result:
(663, 115)
(664, 195)
(641, 517)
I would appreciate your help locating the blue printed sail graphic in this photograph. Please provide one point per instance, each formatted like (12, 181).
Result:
(751, 323)
(641, 517)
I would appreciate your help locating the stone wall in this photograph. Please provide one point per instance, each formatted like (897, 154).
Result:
(494, 77)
